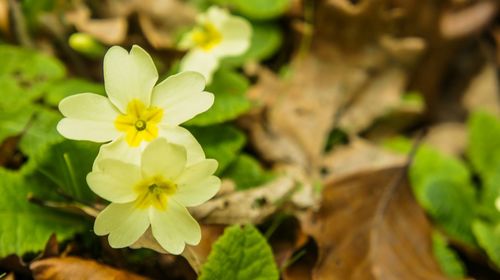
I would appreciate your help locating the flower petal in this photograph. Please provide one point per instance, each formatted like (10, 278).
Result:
(124, 223)
(236, 33)
(198, 171)
(184, 110)
(200, 61)
(163, 158)
(119, 150)
(176, 88)
(197, 193)
(181, 136)
(129, 76)
(115, 181)
(89, 116)
(174, 227)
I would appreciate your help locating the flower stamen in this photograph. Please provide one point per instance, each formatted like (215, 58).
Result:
(140, 123)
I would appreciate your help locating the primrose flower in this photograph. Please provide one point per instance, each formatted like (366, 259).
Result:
(497, 203)
(217, 35)
(136, 111)
(154, 194)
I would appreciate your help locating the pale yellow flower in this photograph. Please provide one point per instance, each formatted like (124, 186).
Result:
(136, 110)
(154, 194)
(218, 34)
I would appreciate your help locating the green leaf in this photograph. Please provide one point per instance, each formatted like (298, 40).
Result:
(483, 150)
(41, 131)
(65, 166)
(489, 193)
(247, 173)
(230, 90)
(241, 253)
(258, 9)
(488, 237)
(442, 186)
(25, 74)
(26, 227)
(220, 142)
(266, 40)
(14, 120)
(448, 260)
(64, 88)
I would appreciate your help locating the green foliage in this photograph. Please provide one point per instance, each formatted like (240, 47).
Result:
(221, 142)
(26, 227)
(25, 75)
(241, 253)
(488, 237)
(266, 40)
(65, 166)
(230, 90)
(442, 186)
(257, 9)
(448, 260)
(483, 150)
(67, 87)
(30, 81)
(247, 173)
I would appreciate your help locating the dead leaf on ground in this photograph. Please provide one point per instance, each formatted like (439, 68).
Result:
(344, 81)
(483, 91)
(357, 156)
(159, 20)
(110, 31)
(363, 233)
(70, 267)
(449, 138)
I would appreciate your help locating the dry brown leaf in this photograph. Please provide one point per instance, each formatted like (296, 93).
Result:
(4, 17)
(370, 227)
(159, 20)
(449, 138)
(67, 268)
(464, 22)
(359, 155)
(483, 91)
(110, 31)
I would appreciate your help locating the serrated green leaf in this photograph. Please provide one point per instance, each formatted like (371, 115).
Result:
(488, 237)
(266, 40)
(448, 260)
(442, 186)
(25, 74)
(26, 227)
(483, 150)
(220, 142)
(64, 88)
(230, 90)
(247, 173)
(241, 253)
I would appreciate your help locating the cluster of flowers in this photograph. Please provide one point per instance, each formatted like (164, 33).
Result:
(150, 168)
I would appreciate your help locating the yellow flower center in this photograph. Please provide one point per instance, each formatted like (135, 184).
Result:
(206, 36)
(154, 192)
(140, 123)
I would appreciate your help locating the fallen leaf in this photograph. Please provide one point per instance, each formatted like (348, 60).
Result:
(357, 156)
(159, 20)
(482, 92)
(71, 267)
(4, 17)
(449, 138)
(370, 227)
(110, 31)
